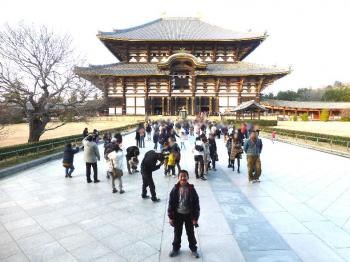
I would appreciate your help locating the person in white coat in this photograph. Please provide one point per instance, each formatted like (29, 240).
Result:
(116, 158)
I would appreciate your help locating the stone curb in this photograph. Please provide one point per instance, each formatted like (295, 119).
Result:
(34, 163)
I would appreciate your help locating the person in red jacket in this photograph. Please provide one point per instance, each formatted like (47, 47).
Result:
(184, 209)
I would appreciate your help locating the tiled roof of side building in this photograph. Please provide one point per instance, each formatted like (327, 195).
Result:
(232, 69)
(306, 104)
(178, 29)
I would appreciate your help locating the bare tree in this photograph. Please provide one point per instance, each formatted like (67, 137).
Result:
(36, 73)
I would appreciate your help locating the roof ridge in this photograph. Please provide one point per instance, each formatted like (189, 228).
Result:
(135, 27)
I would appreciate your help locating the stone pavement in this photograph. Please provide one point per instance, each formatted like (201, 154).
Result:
(299, 212)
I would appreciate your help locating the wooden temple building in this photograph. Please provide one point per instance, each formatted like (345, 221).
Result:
(174, 63)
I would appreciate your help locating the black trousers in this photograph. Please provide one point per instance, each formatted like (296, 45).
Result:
(88, 171)
(127, 163)
(147, 181)
(179, 220)
(177, 162)
(199, 165)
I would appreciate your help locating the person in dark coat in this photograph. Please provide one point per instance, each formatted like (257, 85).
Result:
(85, 132)
(183, 208)
(155, 139)
(131, 151)
(68, 159)
(163, 137)
(148, 165)
(213, 150)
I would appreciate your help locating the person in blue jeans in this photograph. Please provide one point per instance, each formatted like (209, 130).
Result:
(68, 158)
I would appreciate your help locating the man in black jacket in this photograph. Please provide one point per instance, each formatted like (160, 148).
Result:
(148, 165)
(183, 208)
(131, 151)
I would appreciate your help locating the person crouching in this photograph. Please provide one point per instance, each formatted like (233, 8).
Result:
(183, 208)
(133, 162)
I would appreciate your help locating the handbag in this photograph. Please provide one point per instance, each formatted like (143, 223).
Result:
(116, 172)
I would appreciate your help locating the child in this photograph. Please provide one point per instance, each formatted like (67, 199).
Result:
(273, 136)
(183, 208)
(68, 158)
(133, 162)
(171, 163)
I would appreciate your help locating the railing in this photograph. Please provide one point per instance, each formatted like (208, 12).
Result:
(318, 139)
(51, 145)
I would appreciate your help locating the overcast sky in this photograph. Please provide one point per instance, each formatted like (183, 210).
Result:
(311, 36)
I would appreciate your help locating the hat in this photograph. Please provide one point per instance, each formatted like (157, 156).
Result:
(113, 140)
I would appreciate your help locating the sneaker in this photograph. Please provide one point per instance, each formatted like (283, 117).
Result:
(70, 176)
(115, 191)
(257, 180)
(195, 254)
(97, 181)
(122, 191)
(214, 169)
(89, 181)
(136, 171)
(238, 171)
(66, 176)
(145, 197)
(197, 177)
(130, 173)
(155, 199)
(173, 253)
(203, 178)
(229, 166)
(174, 176)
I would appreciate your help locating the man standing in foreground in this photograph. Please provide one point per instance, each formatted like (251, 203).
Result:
(253, 147)
(148, 165)
(183, 208)
(91, 156)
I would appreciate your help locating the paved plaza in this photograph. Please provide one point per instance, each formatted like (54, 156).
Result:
(299, 212)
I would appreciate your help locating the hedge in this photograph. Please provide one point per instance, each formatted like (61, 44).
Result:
(23, 149)
(254, 122)
(317, 137)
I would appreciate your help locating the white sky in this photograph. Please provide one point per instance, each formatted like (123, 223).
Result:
(312, 36)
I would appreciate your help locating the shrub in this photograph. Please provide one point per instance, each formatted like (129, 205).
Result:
(345, 115)
(324, 116)
(254, 122)
(294, 117)
(305, 117)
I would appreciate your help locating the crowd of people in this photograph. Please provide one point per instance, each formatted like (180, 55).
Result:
(170, 139)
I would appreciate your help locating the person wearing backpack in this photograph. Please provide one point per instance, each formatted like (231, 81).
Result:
(198, 152)
(155, 139)
(131, 151)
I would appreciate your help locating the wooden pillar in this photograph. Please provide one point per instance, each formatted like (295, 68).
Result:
(163, 106)
(187, 98)
(169, 105)
(151, 105)
(175, 105)
(124, 97)
(240, 85)
(210, 105)
(193, 108)
(258, 90)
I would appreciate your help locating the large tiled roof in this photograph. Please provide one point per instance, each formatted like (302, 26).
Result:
(130, 69)
(249, 106)
(178, 29)
(306, 104)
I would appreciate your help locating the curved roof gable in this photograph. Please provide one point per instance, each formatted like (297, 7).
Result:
(178, 29)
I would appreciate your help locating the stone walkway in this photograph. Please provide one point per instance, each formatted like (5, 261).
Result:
(299, 212)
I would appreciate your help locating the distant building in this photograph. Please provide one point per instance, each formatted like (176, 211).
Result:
(314, 109)
(174, 63)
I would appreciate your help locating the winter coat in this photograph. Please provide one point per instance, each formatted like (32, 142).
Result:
(116, 160)
(229, 145)
(252, 148)
(212, 147)
(132, 151)
(91, 153)
(68, 154)
(236, 150)
(155, 137)
(193, 202)
(195, 151)
(149, 162)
